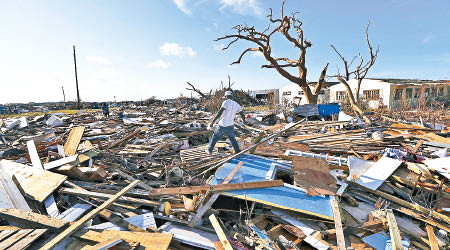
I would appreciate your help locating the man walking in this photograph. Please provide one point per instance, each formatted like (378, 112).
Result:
(105, 109)
(226, 124)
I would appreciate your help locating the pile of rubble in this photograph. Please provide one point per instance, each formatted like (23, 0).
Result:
(143, 180)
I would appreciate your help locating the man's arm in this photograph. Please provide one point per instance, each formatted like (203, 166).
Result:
(242, 116)
(218, 115)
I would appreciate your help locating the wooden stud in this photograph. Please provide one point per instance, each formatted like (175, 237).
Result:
(34, 157)
(396, 239)
(31, 219)
(222, 237)
(433, 242)
(338, 224)
(216, 188)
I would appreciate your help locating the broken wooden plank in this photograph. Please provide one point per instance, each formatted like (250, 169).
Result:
(433, 242)
(71, 171)
(223, 238)
(216, 188)
(11, 240)
(71, 145)
(131, 178)
(66, 233)
(34, 157)
(5, 233)
(126, 138)
(418, 144)
(338, 224)
(28, 240)
(91, 194)
(117, 220)
(394, 232)
(153, 241)
(32, 220)
(60, 162)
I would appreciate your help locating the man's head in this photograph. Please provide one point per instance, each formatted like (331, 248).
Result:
(228, 94)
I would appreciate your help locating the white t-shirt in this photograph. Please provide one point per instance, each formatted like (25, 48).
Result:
(231, 108)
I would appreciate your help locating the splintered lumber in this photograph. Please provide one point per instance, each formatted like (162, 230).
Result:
(13, 239)
(131, 178)
(394, 232)
(153, 241)
(74, 139)
(338, 224)
(60, 162)
(216, 188)
(203, 208)
(117, 220)
(406, 204)
(79, 223)
(34, 157)
(71, 171)
(223, 238)
(126, 138)
(91, 194)
(31, 219)
(433, 242)
(28, 239)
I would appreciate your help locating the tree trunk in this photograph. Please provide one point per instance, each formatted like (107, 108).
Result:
(358, 89)
(352, 101)
(310, 97)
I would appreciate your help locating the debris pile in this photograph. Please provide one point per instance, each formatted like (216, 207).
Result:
(144, 180)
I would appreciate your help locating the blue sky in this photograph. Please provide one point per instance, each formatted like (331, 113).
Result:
(136, 49)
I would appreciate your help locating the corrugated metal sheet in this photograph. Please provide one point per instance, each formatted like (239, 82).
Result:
(287, 197)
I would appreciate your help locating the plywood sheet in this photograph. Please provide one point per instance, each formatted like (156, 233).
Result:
(30, 180)
(74, 139)
(10, 196)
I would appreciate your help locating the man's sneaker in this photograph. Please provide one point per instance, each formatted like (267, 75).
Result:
(207, 151)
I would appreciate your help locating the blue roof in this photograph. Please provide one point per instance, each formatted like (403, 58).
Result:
(289, 197)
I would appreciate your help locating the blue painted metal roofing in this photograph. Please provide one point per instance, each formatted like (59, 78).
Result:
(289, 197)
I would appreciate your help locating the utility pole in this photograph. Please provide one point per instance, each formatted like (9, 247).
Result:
(76, 78)
(64, 96)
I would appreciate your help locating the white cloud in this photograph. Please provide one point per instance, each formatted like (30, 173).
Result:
(98, 59)
(181, 4)
(242, 6)
(218, 47)
(427, 39)
(159, 64)
(174, 49)
(257, 54)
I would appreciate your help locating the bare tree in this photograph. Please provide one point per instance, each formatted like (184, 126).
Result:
(196, 90)
(230, 84)
(359, 73)
(290, 27)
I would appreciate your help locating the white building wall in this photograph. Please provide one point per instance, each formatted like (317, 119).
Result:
(297, 93)
(367, 84)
